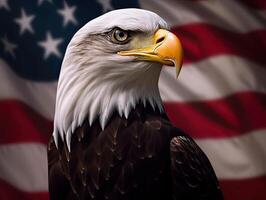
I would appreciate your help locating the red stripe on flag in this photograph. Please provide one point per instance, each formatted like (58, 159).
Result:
(230, 116)
(202, 40)
(9, 192)
(19, 123)
(244, 189)
(257, 4)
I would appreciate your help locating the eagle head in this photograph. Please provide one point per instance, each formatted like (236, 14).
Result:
(111, 64)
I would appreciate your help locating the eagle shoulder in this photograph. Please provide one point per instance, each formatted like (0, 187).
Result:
(192, 174)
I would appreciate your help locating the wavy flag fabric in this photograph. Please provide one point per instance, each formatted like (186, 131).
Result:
(219, 98)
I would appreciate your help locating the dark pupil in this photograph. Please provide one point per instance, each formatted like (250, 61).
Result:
(121, 34)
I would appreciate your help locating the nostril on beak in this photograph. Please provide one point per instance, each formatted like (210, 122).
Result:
(160, 39)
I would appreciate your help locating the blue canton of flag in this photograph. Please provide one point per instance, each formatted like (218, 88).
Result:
(34, 34)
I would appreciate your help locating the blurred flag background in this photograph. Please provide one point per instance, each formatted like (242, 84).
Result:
(219, 98)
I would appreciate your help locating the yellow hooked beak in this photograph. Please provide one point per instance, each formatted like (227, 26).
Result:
(166, 49)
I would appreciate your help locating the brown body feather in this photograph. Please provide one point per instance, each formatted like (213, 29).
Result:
(142, 157)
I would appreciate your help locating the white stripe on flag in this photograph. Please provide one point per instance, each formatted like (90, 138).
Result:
(215, 77)
(237, 157)
(24, 166)
(228, 14)
(38, 95)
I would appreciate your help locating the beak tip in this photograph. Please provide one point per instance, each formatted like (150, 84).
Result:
(178, 66)
(177, 73)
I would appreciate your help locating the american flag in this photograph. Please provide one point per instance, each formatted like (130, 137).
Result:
(219, 98)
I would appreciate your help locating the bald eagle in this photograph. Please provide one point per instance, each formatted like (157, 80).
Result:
(112, 139)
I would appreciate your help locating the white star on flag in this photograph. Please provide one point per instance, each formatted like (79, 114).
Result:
(50, 45)
(9, 47)
(68, 14)
(106, 5)
(24, 22)
(41, 1)
(4, 4)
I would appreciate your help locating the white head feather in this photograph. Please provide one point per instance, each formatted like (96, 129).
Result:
(95, 81)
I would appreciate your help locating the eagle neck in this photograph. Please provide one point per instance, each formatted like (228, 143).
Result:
(92, 96)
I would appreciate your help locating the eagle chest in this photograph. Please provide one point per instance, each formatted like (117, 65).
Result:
(129, 158)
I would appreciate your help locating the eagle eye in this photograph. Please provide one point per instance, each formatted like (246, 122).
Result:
(119, 36)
